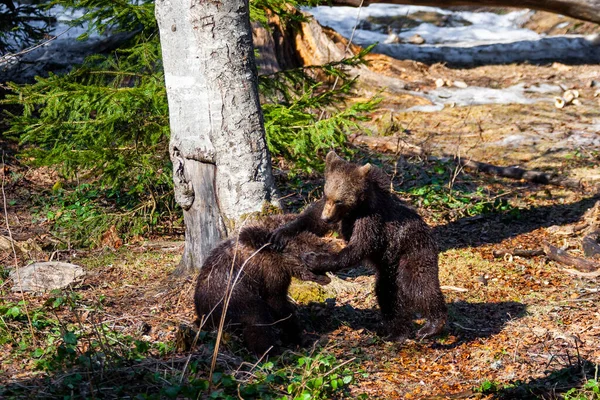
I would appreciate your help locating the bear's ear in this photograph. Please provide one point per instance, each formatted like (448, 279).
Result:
(364, 170)
(331, 159)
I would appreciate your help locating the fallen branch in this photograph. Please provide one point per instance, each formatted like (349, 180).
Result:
(561, 256)
(593, 274)
(518, 252)
(518, 173)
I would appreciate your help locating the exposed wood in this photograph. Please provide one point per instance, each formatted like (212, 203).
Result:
(454, 288)
(518, 173)
(587, 10)
(518, 252)
(561, 256)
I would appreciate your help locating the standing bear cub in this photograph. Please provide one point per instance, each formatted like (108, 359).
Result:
(381, 230)
(258, 306)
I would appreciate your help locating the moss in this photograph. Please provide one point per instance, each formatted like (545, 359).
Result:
(305, 292)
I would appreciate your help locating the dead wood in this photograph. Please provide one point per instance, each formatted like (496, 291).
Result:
(518, 173)
(590, 244)
(587, 10)
(454, 288)
(593, 274)
(518, 252)
(561, 256)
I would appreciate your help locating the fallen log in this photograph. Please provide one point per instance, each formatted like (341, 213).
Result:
(518, 252)
(518, 173)
(587, 10)
(581, 265)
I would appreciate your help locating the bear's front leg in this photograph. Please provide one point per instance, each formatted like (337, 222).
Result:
(318, 263)
(307, 275)
(324, 262)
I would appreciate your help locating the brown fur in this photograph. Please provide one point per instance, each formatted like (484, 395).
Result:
(259, 307)
(381, 230)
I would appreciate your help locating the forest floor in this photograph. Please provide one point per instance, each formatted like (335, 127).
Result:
(518, 327)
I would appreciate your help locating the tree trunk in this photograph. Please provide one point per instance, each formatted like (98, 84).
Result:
(221, 165)
(587, 10)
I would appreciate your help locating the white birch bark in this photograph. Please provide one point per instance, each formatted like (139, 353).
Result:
(221, 165)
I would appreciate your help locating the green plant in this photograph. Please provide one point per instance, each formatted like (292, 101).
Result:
(106, 122)
(487, 387)
(461, 199)
(589, 391)
(318, 376)
(80, 216)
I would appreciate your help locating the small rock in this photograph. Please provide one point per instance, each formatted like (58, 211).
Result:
(496, 365)
(439, 82)
(460, 84)
(416, 39)
(45, 276)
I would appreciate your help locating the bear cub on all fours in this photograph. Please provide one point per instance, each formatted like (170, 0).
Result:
(382, 231)
(258, 307)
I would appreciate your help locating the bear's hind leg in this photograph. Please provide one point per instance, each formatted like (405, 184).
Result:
(435, 313)
(396, 319)
(258, 330)
(285, 319)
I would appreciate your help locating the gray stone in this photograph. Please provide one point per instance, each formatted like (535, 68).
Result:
(45, 276)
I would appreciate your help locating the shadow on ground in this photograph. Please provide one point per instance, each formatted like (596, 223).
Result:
(552, 386)
(494, 228)
(466, 321)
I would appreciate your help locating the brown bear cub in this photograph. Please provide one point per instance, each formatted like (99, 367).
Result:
(381, 230)
(258, 307)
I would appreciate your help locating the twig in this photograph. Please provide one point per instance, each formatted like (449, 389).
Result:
(228, 293)
(454, 288)
(337, 78)
(12, 244)
(7, 57)
(190, 356)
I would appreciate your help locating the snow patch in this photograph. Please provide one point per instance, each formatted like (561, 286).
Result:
(485, 26)
(488, 38)
(475, 95)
